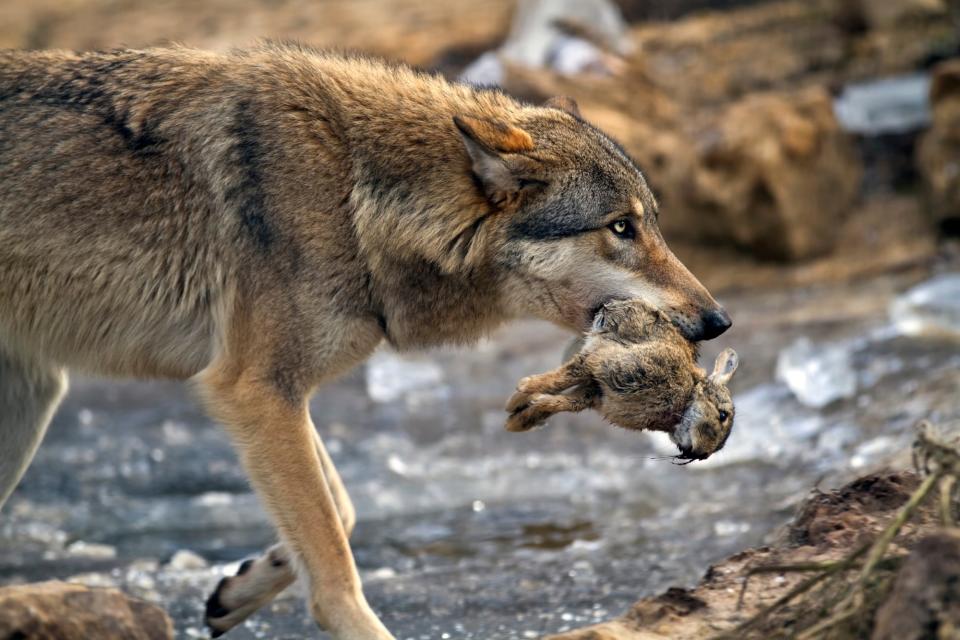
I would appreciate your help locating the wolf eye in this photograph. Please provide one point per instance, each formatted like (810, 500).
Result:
(621, 228)
(724, 415)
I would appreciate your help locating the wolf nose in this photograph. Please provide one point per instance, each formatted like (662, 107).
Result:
(715, 322)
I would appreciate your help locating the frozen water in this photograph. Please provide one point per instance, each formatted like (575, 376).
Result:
(931, 308)
(817, 374)
(891, 105)
(465, 529)
(391, 376)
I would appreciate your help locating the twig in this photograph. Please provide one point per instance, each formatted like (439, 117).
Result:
(827, 569)
(947, 484)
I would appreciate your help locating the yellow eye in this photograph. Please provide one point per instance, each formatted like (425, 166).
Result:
(622, 228)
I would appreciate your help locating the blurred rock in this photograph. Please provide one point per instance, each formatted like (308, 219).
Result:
(775, 175)
(885, 14)
(925, 601)
(938, 155)
(186, 560)
(61, 611)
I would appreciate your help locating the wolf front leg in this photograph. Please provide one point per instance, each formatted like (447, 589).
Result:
(276, 444)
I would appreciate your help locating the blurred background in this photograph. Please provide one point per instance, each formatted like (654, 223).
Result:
(806, 154)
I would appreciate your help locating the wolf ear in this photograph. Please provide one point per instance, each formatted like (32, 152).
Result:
(725, 366)
(487, 142)
(564, 103)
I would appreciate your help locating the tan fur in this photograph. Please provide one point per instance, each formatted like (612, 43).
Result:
(639, 372)
(259, 221)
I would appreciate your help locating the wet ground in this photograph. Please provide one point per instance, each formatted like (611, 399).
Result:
(467, 531)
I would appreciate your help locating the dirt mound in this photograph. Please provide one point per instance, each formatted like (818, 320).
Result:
(827, 526)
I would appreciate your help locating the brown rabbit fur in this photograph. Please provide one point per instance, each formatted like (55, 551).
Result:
(639, 372)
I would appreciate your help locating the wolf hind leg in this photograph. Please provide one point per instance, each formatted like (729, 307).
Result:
(261, 579)
(29, 394)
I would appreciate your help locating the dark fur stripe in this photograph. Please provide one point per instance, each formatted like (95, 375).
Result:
(86, 87)
(247, 194)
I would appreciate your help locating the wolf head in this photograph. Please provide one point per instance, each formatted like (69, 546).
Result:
(581, 224)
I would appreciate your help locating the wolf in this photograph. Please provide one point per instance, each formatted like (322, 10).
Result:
(257, 222)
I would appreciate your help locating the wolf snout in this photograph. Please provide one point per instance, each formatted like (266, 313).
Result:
(707, 326)
(715, 322)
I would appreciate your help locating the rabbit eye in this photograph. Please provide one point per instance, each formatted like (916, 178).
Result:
(724, 415)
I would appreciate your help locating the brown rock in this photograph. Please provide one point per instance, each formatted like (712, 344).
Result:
(886, 14)
(925, 601)
(775, 175)
(938, 154)
(61, 611)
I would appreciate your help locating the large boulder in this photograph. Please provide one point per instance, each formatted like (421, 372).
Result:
(774, 175)
(938, 154)
(62, 611)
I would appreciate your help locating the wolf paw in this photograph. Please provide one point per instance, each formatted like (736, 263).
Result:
(237, 597)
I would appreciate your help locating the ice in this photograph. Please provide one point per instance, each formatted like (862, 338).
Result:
(931, 308)
(817, 374)
(391, 377)
(891, 105)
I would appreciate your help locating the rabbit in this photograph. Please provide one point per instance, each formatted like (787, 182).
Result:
(639, 372)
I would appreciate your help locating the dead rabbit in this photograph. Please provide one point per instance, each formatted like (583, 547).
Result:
(639, 372)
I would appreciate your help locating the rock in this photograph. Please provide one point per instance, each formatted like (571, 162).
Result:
(61, 611)
(775, 175)
(886, 14)
(938, 154)
(925, 601)
(184, 559)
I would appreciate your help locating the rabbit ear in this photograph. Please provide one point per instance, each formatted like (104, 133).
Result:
(725, 366)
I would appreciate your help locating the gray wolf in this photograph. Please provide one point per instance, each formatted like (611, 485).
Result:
(257, 222)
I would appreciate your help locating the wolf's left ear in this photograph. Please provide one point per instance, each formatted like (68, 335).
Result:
(488, 144)
(725, 366)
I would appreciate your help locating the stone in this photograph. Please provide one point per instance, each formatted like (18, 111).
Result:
(61, 611)
(938, 153)
(775, 175)
(887, 14)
